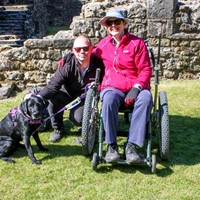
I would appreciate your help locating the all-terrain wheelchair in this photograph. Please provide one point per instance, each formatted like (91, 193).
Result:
(157, 126)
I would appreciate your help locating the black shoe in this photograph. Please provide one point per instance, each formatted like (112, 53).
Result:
(79, 130)
(56, 135)
(131, 154)
(112, 153)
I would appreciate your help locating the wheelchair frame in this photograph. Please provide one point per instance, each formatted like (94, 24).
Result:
(158, 125)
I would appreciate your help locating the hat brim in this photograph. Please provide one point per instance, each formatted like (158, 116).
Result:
(104, 19)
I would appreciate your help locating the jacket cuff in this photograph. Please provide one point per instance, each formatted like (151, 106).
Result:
(138, 86)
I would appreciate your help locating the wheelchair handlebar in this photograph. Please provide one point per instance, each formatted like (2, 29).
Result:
(97, 76)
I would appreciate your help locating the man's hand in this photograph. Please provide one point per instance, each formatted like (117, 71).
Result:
(131, 96)
(88, 86)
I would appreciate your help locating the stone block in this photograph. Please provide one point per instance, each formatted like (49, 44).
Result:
(169, 74)
(161, 9)
(38, 43)
(38, 54)
(6, 65)
(154, 28)
(13, 75)
(7, 90)
(54, 54)
(136, 11)
(20, 54)
(92, 10)
(63, 43)
(165, 42)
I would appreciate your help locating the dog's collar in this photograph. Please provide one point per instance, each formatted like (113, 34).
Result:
(31, 121)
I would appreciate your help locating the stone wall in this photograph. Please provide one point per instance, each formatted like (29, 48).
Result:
(16, 24)
(9, 2)
(32, 24)
(61, 12)
(180, 32)
(177, 23)
(58, 12)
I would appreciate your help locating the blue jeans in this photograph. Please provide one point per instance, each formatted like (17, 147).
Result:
(112, 99)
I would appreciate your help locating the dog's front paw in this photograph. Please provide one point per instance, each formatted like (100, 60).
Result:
(37, 162)
(10, 160)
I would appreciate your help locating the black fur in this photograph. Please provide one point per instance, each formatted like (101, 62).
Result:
(11, 135)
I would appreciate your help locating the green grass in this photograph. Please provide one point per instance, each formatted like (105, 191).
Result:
(66, 174)
(52, 30)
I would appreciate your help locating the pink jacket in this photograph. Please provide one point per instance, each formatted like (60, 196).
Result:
(125, 65)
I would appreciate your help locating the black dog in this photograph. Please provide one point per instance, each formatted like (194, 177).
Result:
(20, 124)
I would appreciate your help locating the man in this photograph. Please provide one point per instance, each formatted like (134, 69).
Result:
(69, 82)
(126, 81)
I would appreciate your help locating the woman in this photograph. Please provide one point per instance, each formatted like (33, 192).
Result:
(126, 81)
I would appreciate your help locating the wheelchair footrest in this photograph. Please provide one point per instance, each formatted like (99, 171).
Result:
(122, 160)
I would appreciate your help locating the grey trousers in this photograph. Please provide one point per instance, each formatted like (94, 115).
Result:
(112, 99)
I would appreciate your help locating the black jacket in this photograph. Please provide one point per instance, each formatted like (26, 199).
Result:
(68, 78)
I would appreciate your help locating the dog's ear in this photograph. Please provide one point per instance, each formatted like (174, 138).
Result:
(27, 96)
(24, 106)
(45, 102)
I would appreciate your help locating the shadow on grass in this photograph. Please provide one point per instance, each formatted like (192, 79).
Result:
(184, 140)
(184, 149)
(58, 149)
(54, 150)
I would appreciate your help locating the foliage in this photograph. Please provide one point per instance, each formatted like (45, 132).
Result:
(66, 174)
(52, 30)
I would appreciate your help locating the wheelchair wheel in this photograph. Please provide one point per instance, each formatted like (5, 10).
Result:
(95, 161)
(153, 163)
(90, 122)
(164, 126)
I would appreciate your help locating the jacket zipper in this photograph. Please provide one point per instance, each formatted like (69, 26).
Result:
(114, 61)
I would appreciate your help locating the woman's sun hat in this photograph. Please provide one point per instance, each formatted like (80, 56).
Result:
(115, 13)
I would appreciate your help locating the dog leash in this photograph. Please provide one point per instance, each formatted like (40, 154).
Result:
(69, 106)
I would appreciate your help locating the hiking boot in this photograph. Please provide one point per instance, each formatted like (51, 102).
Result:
(131, 154)
(56, 135)
(112, 153)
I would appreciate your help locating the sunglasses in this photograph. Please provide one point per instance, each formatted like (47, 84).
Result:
(78, 49)
(115, 22)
